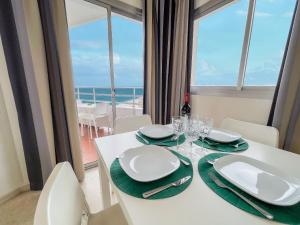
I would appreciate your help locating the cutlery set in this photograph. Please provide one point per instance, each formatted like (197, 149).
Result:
(218, 167)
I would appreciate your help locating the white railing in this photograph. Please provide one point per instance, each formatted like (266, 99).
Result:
(132, 98)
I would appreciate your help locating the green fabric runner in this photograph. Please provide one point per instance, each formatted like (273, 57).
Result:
(161, 142)
(136, 189)
(223, 147)
(288, 215)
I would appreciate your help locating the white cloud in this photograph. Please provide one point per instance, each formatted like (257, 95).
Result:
(86, 44)
(257, 13)
(207, 69)
(288, 14)
(262, 14)
(241, 12)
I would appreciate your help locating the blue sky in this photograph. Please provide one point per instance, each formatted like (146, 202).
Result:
(220, 39)
(220, 43)
(89, 50)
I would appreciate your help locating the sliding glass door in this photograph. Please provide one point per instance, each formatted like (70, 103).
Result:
(106, 50)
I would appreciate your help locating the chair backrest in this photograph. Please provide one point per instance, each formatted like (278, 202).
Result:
(101, 108)
(256, 132)
(132, 123)
(62, 200)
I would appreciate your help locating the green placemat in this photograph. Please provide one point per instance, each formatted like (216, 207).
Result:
(136, 189)
(222, 147)
(288, 215)
(161, 142)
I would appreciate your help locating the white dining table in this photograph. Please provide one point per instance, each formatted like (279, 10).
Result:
(198, 204)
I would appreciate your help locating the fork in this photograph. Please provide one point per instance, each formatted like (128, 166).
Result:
(174, 138)
(233, 145)
(218, 182)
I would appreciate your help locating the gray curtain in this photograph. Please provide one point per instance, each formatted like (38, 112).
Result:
(60, 127)
(20, 88)
(285, 111)
(57, 50)
(168, 46)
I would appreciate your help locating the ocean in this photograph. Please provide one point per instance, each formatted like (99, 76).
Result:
(86, 94)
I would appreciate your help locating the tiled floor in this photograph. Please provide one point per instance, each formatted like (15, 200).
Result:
(88, 148)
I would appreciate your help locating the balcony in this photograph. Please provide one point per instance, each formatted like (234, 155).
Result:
(95, 110)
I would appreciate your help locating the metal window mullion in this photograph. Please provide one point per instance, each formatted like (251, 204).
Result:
(111, 65)
(246, 44)
(194, 54)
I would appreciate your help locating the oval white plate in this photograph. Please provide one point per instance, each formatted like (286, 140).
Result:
(156, 131)
(259, 179)
(148, 163)
(223, 136)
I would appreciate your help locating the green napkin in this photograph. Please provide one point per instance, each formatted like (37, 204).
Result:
(288, 215)
(136, 189)
(223, 147)
(161, 142)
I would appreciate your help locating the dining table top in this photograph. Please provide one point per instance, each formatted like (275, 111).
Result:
(198, 204)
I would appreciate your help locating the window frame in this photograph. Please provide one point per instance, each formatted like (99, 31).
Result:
(239, 90)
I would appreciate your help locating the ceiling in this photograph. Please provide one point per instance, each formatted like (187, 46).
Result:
(80, 12)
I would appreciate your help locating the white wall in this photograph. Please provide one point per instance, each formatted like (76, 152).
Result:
(13, 173)
(246, 109)
(198, 3)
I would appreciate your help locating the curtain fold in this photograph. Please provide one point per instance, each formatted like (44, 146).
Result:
(285, 111)
(20, 88)
(66, 133)
(168, 47)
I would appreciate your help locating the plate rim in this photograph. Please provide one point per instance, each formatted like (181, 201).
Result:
(161, 137)
(234, 157)
(225, 131)
(150, 148)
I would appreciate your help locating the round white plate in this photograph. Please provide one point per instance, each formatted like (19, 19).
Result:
(259, 179)
(223, 136)
(148, 163)
(156, 131)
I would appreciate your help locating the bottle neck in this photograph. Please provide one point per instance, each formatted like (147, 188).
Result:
(186, 98)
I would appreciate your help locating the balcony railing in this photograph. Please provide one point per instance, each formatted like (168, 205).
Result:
(124, 95)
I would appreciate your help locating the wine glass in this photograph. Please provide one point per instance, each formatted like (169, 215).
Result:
(205, 125)
(191, 132)
(177, 123)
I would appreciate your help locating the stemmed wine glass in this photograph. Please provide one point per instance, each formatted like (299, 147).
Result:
(177, 123)
(191, 133)
(205, 125)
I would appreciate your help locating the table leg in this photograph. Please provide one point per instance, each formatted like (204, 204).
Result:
(104, 185)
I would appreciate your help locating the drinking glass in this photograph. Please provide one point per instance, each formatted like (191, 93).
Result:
(191, 133)
(205, 125)
(177, 123)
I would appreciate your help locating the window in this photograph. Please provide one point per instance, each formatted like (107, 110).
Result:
(241, 44)
(220, 44)
(272, 20)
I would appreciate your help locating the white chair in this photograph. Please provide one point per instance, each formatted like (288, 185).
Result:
(256, 132)
(132, 123)
(97, 117)
(62, 202)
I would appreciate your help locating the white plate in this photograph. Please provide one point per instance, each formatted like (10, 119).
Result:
(157, 131)
(260, 180)
(223, 136)
(148, 163)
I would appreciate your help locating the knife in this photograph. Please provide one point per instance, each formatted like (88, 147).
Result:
(162, 188)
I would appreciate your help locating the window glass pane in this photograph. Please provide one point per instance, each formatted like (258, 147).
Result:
(272, 20)
(128, 65)
(220, 39)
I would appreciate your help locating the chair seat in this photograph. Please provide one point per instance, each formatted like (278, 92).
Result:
(110, 216)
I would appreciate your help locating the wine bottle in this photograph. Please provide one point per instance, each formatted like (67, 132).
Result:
(186, 108)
